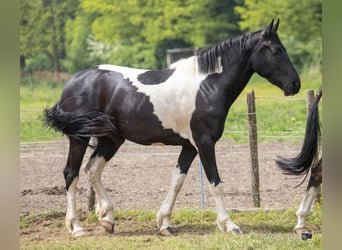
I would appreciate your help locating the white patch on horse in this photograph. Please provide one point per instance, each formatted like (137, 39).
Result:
(173, 100)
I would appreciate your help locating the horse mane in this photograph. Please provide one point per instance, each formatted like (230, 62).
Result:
(209, 59)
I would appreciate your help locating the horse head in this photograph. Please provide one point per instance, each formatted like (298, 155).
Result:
(270, 60)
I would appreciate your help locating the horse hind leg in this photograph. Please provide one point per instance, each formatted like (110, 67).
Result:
(105, 149)
(77, 149)
(310, 194)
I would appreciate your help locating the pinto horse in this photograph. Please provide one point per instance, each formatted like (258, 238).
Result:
(186, 104)
(308, 159)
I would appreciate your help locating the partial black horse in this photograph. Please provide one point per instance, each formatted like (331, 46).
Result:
(308, 159)
(185, 105)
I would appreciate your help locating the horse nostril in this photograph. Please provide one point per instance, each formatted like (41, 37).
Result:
(296, 85)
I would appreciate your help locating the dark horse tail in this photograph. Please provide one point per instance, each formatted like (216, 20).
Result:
(302, 162)
(79, 124)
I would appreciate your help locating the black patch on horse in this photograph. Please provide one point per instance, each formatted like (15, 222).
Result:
(154, 77)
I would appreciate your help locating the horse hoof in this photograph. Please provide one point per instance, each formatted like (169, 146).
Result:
(80, 233)
(167, 232)
(306, 235)
(108, 226)
(236, 231)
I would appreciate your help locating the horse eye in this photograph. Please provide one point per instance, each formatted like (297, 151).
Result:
(275, 50)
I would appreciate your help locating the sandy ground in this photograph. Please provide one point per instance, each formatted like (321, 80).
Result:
(138, 177)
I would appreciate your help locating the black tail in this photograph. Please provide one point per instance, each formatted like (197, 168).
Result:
(79, 124)
(302, 162)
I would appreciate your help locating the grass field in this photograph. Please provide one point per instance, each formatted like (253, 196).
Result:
(279, 118)
(196, 229)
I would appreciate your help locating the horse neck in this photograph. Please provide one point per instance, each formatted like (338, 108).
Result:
(235, 76)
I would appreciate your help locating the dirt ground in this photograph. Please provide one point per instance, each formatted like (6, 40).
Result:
(138, 177)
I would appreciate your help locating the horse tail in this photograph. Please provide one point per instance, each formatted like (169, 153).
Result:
(79, 124)
(302, 162)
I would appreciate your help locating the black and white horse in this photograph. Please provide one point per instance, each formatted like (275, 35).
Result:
(308, 159)
(186, 104)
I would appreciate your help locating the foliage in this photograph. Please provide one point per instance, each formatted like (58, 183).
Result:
(78, 42)
(140, 27)
(301, 22)
(42, 28)
(76, 34)
(129, 32)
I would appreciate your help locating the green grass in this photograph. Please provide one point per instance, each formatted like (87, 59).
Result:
(279, 118)
(196, 229)
(35, 96)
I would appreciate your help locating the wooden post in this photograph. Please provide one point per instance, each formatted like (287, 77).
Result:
(253, 145)
(90, 197)
(90, 191)
(310, 97)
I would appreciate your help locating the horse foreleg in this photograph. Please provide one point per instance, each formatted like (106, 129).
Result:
(206, 149)
(164, 213)
(223, 220)
(185, 159)
(104, 207)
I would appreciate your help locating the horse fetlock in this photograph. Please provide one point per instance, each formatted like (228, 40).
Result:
(74, 227)
(163, 219)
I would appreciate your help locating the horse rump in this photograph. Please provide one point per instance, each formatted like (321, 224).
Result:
(79, 124)
(303, 161)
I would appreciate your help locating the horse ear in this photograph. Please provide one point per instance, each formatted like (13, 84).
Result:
(276, 26)
(268, 29)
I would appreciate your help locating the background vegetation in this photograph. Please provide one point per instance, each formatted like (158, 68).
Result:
(58, 35)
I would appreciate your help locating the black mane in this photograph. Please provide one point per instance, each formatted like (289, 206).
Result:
(207, 58)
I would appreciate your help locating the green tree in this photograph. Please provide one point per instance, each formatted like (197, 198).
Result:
(42, 34)
(78, 39)
(300, 27)
(142, 29)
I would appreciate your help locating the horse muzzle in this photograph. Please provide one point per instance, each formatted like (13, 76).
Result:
(294, 89)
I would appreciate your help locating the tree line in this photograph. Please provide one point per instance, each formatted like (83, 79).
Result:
(69, 35)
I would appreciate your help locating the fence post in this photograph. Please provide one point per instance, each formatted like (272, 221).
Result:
(253, 145)
(90, 191)
(310, 97)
